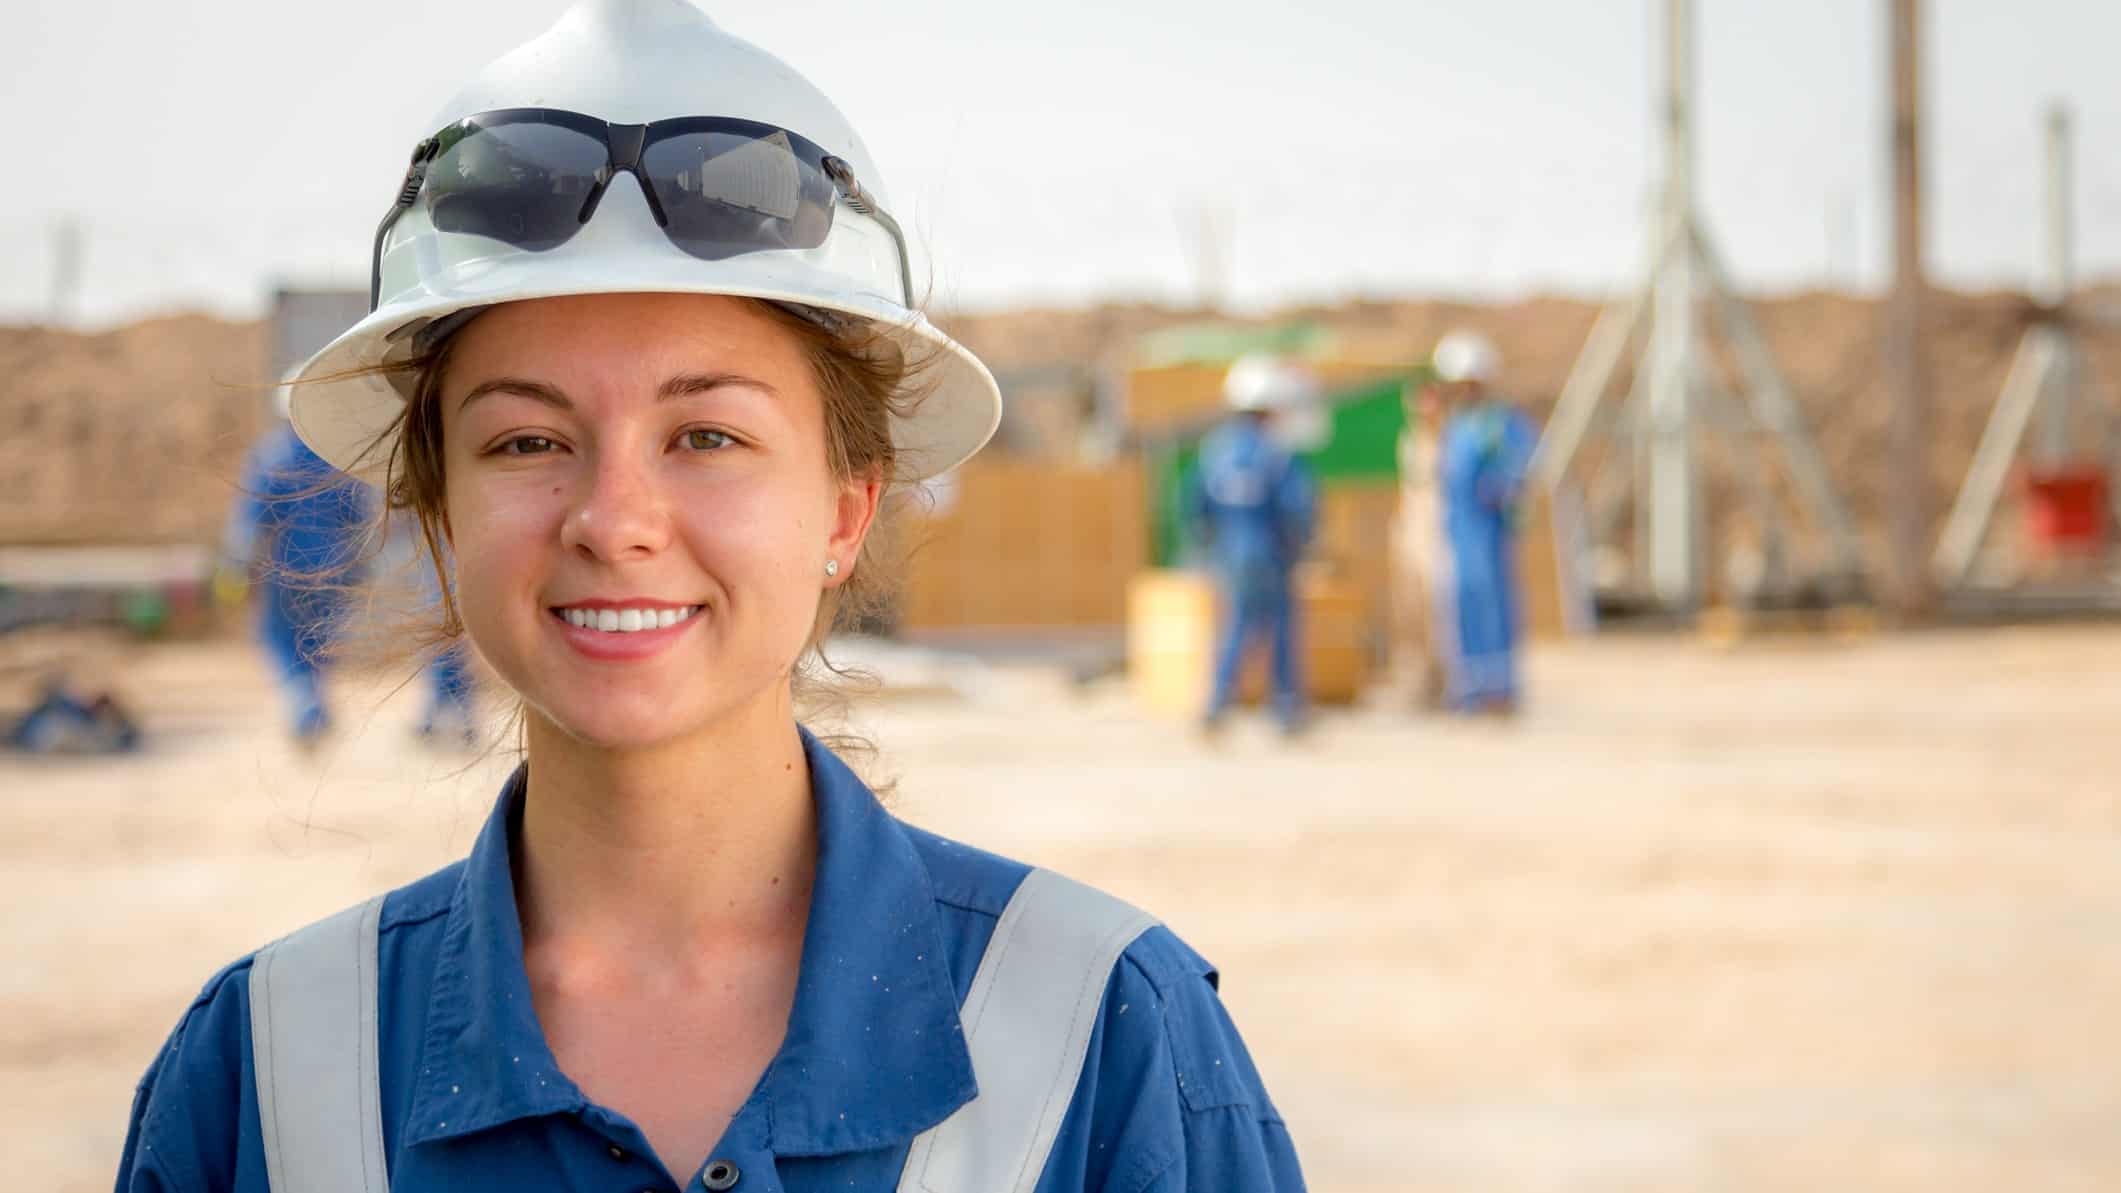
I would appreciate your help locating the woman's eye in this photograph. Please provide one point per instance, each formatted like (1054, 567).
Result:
(702, 439)
(527, 445)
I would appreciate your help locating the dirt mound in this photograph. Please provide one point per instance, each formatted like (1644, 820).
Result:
(129, 436)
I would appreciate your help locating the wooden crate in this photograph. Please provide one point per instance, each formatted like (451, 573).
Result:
(1172, 620)
(1353, 540)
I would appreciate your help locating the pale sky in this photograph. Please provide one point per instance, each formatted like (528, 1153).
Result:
(1063, 153)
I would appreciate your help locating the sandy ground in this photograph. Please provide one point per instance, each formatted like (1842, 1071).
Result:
(1795, 917)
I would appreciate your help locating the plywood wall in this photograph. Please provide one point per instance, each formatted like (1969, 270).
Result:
(1026, 543)
(1354, 541)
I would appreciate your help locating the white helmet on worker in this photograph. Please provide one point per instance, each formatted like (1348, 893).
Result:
(1261, 382)
(744, 180)
(1466, 356)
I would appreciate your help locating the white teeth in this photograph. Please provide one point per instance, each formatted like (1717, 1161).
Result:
(627, 621)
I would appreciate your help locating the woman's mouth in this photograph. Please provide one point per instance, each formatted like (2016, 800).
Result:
(623, 631)
(625, 620)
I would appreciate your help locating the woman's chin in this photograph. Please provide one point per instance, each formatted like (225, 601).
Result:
(648, 707)
(613, 726)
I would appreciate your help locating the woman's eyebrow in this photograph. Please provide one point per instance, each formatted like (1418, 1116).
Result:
(698, 383)
(537, 391)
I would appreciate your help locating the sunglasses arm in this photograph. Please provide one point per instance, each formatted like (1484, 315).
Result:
(842, 176)
(415, 175)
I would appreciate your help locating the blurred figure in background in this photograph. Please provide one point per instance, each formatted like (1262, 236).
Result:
(1254, 506)
(450, 714)
(71, 720)
(1419, 557)
(294, 540)
(451, 717)
(1484, 451)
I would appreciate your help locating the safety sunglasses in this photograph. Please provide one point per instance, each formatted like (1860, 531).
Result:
(719, 187)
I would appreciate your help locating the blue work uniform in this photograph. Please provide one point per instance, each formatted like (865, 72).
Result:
(449, 698)
(472, 1098)
(1256, 505)
(297, 528)
(450, 705)
(1484, 456)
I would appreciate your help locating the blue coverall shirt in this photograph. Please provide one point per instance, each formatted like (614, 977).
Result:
(472, 1098)
(1256, 504)
(297, 515)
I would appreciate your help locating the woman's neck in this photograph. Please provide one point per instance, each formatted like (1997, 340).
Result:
(670, 852)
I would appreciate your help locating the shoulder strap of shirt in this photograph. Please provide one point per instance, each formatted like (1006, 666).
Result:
(1027, 1022)
(313, 1051)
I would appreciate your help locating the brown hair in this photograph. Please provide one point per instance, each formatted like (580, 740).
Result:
(865, 380)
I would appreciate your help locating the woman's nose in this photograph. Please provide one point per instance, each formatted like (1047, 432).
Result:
(624, 515)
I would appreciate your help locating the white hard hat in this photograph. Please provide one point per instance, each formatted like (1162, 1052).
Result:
(1466, 356)
(1264, 382)
(633, 62)
(283, 394)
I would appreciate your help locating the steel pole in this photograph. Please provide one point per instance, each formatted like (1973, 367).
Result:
(2055, 285)
(1674, 517)
(1906, 375)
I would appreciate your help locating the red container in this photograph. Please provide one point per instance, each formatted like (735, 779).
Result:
(2066, 510)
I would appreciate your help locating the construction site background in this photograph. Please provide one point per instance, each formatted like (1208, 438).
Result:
(136, 434)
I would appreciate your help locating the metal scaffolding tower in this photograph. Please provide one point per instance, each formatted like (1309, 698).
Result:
(2042, 381)
(1674, 396)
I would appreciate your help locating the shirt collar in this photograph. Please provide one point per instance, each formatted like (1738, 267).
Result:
(484, 1060)
(875, 1052)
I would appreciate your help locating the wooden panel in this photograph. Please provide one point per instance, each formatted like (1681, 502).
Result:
(1353, 544)
(1172, 396)
(1553, 570)
(1172, 619)
(1353, 541)
(1027, 543)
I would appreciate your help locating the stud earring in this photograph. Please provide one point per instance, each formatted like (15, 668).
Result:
(832, 567)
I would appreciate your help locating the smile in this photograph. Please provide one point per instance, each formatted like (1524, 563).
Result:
(626, 621)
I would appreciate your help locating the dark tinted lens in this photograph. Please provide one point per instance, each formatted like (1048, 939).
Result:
(522, 183)
(726, 193)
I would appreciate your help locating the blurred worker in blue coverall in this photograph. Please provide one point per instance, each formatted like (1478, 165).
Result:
(1484, 456)
(451, 716)
(1254, 505)
(295, 536)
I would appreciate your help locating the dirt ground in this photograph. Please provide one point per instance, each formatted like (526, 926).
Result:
(1799, 916)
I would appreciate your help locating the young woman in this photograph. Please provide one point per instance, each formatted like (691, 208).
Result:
(643, 363)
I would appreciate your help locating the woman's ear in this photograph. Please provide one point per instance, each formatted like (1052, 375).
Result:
(854, 511)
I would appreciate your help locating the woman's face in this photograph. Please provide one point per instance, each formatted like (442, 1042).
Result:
(641, 508)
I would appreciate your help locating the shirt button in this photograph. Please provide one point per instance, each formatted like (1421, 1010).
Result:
(617, 1153)
(720, 1175)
